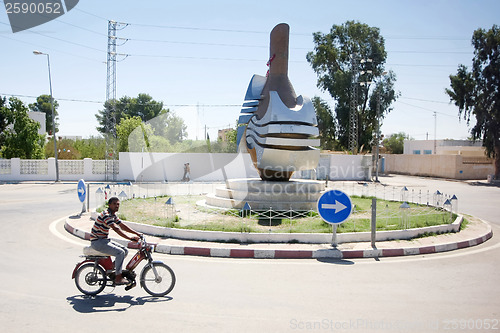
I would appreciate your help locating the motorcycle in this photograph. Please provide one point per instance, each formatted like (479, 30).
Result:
(97, 271)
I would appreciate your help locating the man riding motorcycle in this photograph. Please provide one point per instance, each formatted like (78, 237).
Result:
(99, 236)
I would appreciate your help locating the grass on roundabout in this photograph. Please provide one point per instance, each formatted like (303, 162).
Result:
(186, 214)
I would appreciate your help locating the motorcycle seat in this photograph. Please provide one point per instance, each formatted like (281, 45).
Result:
(89, 251)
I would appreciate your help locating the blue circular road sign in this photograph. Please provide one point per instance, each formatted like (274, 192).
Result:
(334, 206)
(82, 190)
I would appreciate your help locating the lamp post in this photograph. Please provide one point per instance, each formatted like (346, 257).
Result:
(378, 132)
(53, 115)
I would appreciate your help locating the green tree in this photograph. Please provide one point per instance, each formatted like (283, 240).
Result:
(332, 60)
(158, 134)
(229, 146)
(226, 145)
(93, 147)
(143, 139)
(3, 117)
(232, 135)
(175, 129)
(43, 104)
(66, 149)
(124, 129)
(159, 144)
(20, 140)
(111, 109)
(395, 143)
(476, 92)
(142, 106)
(326, 124)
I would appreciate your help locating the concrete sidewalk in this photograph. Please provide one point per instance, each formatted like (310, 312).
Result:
(475, 233)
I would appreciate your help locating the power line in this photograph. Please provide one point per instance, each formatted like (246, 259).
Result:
(193, 28)
(82, 28)
(59, 99)
(208, 29)
(194, 58)
(60, 39)
(260, 60)
(396, 37)
(119, 102)
(431, 52)
(90, 14)
(222, 44)
(266, 32)
(220, 126)
(48, 48)
(265, 46)
(426, 109)
(424, 100)
(420, 65)
(199, 43)
(429, 37)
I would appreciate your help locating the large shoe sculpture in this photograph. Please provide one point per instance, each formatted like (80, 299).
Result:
(276, 127)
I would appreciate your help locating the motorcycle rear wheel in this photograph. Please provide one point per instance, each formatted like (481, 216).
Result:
(90, 279)
(160, 285)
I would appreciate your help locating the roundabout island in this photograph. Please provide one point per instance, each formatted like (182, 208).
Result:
(274, 244)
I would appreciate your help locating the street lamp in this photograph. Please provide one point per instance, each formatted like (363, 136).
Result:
(53, 116)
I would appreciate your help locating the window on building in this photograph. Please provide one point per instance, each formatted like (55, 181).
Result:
(427, 152)
(416, 152)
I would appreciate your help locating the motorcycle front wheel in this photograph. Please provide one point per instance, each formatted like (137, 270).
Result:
(159, 284)
(90, 279)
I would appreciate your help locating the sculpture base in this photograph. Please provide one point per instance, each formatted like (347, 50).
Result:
(263, 195)
(274, 176)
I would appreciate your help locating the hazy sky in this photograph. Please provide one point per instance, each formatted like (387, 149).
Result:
(197, 57)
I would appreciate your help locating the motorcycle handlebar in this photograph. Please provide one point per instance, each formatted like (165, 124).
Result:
(142, 241)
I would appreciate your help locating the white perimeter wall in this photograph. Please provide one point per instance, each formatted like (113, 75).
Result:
(154, 167)
(170, 166)
(218, 167)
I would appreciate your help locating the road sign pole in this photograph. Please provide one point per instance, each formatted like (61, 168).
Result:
(334, 235)
(88, 197)
(374, 221)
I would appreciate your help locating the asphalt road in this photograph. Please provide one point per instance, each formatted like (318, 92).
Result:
(454, 291)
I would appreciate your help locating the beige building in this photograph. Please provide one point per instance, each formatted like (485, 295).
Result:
(454, 159)
(444, 147)
(222, 134)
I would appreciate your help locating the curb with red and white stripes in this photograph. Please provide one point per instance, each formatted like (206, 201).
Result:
(300, 254)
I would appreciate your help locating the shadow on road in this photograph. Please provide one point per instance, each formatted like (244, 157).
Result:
(495, 184)
(335, 261)
(110, 302)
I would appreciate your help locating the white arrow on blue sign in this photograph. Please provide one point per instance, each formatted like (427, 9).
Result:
(334, 206)
(82, 190)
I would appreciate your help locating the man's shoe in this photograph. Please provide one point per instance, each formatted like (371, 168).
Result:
(130, 285)
(121, 281)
